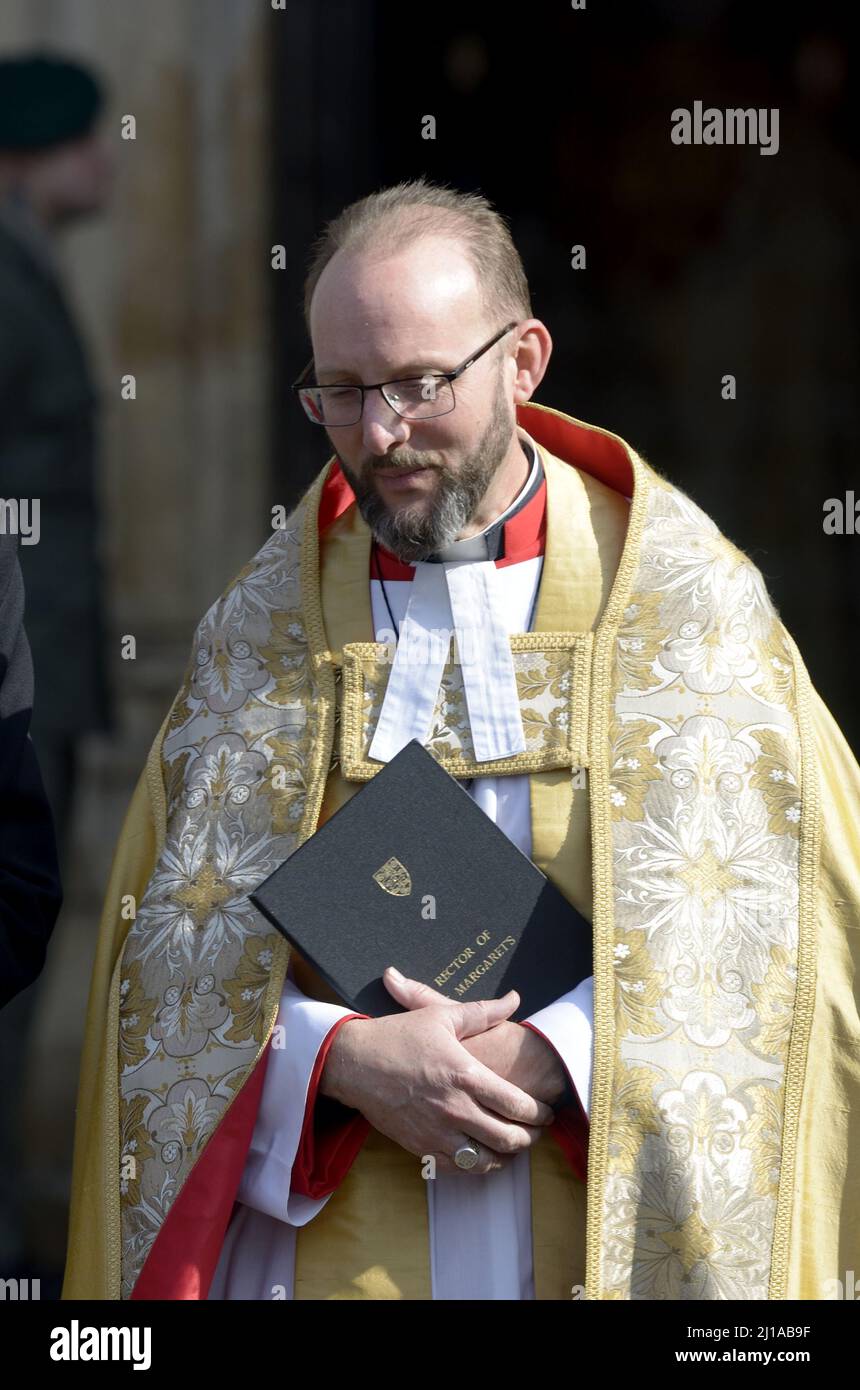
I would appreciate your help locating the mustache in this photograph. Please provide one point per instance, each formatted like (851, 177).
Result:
(390, 465)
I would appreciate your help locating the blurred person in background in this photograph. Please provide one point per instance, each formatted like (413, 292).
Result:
(55, 170)
(30, 892)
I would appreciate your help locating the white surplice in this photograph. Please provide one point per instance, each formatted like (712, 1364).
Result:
(479, 1226)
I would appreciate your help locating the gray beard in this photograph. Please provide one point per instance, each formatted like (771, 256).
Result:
(413, 533)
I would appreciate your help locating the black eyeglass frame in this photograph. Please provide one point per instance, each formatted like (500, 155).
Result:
(300, 384)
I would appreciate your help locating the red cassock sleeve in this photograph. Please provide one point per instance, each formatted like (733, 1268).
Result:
(333, 1135)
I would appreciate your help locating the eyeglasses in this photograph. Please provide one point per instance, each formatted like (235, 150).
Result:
(415, 398)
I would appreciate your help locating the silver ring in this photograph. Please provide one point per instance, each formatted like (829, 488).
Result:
(467, 1155)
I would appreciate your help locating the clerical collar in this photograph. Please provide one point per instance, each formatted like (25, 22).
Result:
(518, 534)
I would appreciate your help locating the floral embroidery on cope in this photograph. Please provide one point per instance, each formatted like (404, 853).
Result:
(704, 808)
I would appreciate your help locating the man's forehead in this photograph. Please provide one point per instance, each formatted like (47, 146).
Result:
(394, 342)
(418, 288)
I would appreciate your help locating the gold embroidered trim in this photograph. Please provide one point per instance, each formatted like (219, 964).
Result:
(804, 999)
(558, 733)
(603, 1066)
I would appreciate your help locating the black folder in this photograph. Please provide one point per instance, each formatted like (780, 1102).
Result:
(411, 872)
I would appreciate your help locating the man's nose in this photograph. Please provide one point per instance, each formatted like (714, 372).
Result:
(381, 426)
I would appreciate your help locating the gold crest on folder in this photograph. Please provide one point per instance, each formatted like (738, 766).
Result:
(394, 878)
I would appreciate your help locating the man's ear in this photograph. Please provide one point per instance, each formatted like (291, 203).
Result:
(533, 352)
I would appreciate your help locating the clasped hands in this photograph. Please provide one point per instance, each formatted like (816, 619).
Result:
(442, 1071)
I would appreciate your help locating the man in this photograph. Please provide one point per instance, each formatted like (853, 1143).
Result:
(636, 718)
